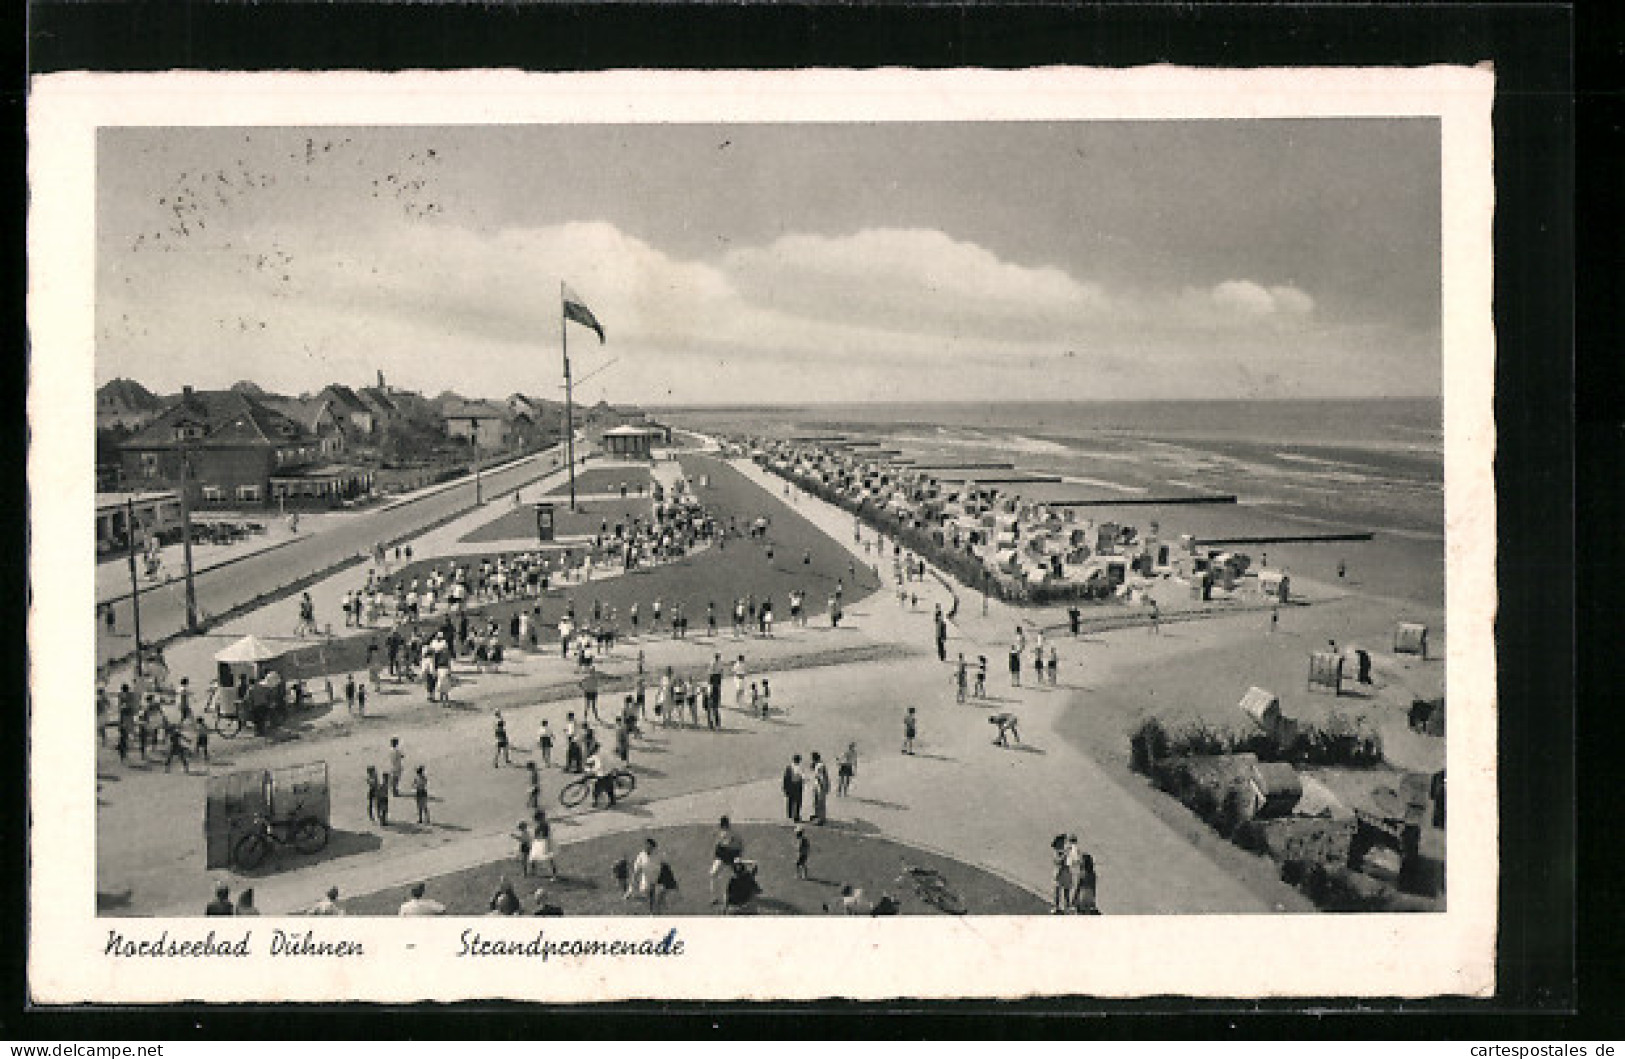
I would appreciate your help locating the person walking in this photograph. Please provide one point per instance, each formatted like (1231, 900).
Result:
(739, 682)
(200, 738)
(381, 802)
(523, 842)
(502, 755)
(1053, 666)
(803, 851)
(623, 740)
(544, 740)
(649, 869)
(589, 693)
(361, 700)
(1015, 665)
(910, 730)
(420, 794)
(372, 793)
(980, 691)
(542, 849)
(397, 765)
(533, 796)
(714, 674)
(793, 783)
(961, 679)
(1062, 876)
(727, 849)
(177, 749)
(819, 780)
(1156, 619)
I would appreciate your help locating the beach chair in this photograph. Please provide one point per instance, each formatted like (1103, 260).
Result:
(1326, 672)
(1411, 638)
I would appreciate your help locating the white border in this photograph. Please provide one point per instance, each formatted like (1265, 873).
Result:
(1213, 956)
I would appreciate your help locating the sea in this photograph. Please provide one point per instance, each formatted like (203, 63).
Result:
(1296, 467)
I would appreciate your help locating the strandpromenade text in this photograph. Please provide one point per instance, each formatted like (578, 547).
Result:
(471, 943)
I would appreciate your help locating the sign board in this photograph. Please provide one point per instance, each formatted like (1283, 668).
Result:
(544, 522)
(234, 799)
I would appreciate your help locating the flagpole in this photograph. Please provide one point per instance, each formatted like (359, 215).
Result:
(569, 410)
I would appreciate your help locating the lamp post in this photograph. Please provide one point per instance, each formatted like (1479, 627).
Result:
(135, 583)
(186, 538)
(474, 435)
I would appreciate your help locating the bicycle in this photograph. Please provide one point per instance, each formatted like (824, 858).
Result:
(306, 834)
(580, 789)
(930, 886)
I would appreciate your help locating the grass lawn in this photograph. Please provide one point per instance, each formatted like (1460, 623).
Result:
(519, 524)
(586, 887)
(607, 480)
(717, 573)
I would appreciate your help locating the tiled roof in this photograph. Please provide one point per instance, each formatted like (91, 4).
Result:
(228, 418)
(345, 398)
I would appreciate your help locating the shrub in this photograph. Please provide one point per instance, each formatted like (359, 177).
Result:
(1148, 744)
(1201, 739)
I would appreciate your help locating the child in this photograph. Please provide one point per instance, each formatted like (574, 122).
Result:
(803, 849)
(541, 850)
(622, 873)
(910, 730)
(522, 846)
(981, 677)
(420, 791)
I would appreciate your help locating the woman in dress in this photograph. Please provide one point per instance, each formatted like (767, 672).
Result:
(542, 850)
(820, 789)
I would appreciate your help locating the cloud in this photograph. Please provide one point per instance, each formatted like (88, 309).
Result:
(440, 305)
(1240, 299)
(895, 279)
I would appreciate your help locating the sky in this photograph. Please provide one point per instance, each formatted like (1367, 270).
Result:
(792, 263)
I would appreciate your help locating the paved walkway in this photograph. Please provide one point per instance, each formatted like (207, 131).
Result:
(992, 806)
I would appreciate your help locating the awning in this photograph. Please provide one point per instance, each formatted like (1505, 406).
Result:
(248, 649)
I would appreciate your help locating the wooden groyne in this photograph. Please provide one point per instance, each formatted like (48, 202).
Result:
(959, 466)
(1288, 538)
(1146, 501)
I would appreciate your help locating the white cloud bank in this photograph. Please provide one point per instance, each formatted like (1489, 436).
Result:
(442, 306)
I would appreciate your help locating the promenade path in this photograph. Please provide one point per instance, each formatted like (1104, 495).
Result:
(960, 794)
(163, 611)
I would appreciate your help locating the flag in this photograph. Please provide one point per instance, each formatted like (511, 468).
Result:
(576, 309)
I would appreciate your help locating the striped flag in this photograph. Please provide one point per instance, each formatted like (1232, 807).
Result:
(576, 309)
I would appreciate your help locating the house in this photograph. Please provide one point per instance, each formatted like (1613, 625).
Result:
(156, 513)
(233, 441)
(482, 423)
(126, 404)
(383, 408)
(317, 415)
(349, 408)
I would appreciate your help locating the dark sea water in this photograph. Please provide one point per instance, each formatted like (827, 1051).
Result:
(1374, 465)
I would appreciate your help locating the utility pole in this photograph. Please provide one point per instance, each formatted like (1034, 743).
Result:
(474, 433)
(186, 539)
(135, 582)
(569, 410)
